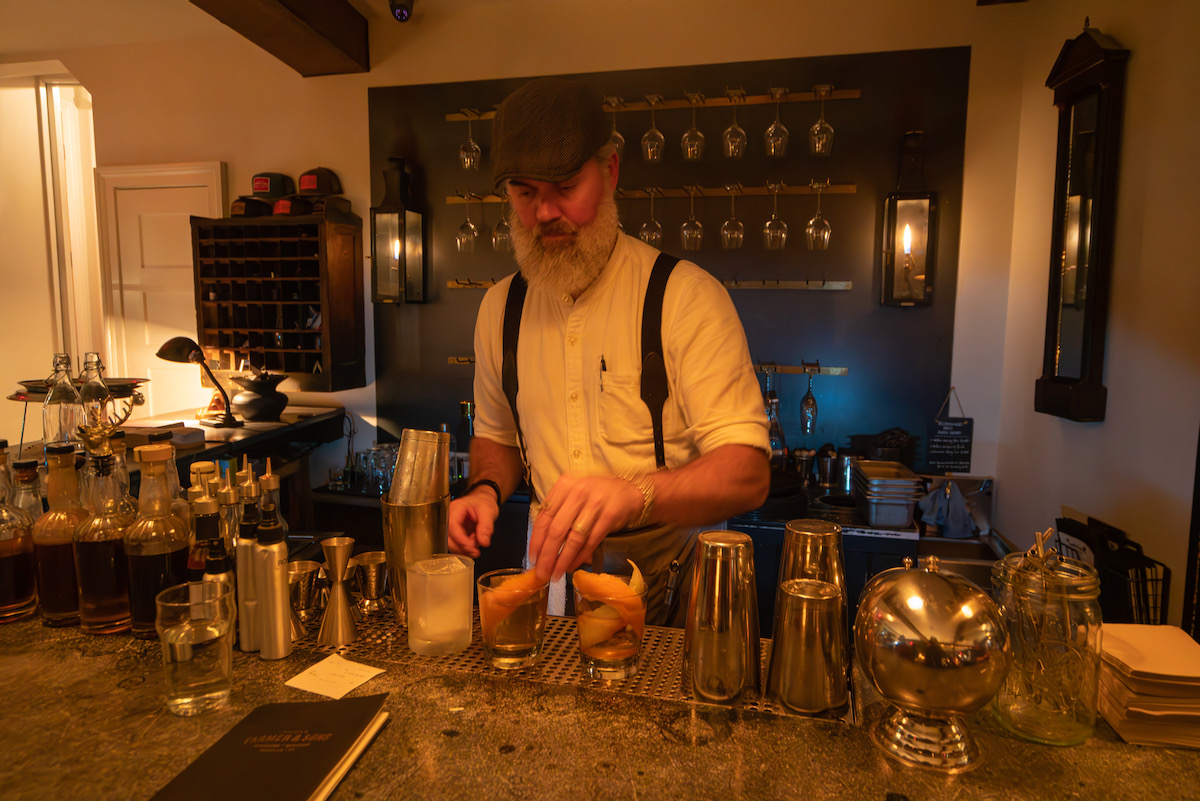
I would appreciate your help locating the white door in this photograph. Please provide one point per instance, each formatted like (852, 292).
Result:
(150, 289)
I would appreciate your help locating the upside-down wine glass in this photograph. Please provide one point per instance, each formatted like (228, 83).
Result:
(733, 233)
(652, 140)
(818, 229)
(808, 410)
(651, 231)
(619, 141)
(733, 140)
(692, 142)
(469, 155)
(820, 135)
(691, 233)
(775, 231)
(502, 233)
(468, 234)
(775, 138)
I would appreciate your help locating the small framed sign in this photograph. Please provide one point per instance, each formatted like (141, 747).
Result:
(949, 444)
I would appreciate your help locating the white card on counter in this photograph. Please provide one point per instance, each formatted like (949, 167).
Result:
(333, 677)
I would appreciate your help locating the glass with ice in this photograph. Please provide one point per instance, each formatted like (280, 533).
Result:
(195, 629)
(512, 616)
(610, 612)
(439, 604)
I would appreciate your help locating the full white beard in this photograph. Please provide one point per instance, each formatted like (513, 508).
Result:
(567, 267)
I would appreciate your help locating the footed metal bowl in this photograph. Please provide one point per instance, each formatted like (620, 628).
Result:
(936, 647)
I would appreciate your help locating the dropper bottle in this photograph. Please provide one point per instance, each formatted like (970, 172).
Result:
(271, 574)
(247, 588)
(229, 512)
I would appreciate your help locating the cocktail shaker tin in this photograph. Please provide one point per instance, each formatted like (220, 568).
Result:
(722, 650)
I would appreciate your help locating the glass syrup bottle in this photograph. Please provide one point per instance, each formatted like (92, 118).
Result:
(129, 503)
(60, 409)
(53, 538)
(18, 585)
(156, 543)
(27, 493)
(100, 560)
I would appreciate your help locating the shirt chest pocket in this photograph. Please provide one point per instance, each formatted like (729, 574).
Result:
(624, 419)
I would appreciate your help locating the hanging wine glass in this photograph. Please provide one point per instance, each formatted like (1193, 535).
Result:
(619, 141)
(732, 231)
(775, 231)
(818, 229)
(775, 139)
(469, 155)
(502, 233)
(468, 234)
(820, 135)
(651, 231)
(691, 233)
(808, 410)
(733, 140)
(692, 141)
(652, 140)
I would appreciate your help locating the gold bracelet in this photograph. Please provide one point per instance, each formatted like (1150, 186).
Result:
(645, 485)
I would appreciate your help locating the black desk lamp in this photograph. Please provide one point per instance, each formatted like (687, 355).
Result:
(184, 350)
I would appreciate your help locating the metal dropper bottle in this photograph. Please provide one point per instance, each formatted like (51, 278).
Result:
(247, 587)
(271, 574)
(229, 513)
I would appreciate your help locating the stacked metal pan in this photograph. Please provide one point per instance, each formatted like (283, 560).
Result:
(886, 492)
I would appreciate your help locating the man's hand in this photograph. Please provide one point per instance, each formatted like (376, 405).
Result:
(473, 521)
(576, 515)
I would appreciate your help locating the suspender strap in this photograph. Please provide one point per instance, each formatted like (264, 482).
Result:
(654, 368)
(513, 308)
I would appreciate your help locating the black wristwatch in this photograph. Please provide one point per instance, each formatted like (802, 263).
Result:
(485, 482)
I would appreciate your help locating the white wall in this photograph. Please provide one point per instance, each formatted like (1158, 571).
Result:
(224, 99)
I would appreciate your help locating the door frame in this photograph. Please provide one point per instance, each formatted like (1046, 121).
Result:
(112, 180)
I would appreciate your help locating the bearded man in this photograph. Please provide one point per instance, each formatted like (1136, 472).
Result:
(611, 478)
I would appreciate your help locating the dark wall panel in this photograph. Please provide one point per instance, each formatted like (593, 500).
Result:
(898, 358)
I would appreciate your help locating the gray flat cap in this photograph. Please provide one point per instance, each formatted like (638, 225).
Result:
(547, 130)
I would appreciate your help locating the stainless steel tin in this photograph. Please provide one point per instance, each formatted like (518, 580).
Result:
(808, 657)
(722, 650)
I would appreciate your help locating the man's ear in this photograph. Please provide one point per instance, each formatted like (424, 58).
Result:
(613, 168)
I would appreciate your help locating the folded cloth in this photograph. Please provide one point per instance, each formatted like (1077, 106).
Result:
(945, 507)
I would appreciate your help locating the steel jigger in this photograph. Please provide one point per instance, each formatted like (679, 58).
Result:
(337, 626)
(372, 572)
(304, 588)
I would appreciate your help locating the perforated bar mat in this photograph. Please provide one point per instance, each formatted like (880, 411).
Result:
(659, 675)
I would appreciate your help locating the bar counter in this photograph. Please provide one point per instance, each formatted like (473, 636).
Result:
(83, 717)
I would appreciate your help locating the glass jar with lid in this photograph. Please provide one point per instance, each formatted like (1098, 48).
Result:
(1052, 609)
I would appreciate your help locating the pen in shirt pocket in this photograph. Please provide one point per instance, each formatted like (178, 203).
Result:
(603, 369)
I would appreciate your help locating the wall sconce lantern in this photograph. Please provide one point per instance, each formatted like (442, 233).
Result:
(397, 242)
(909, 232)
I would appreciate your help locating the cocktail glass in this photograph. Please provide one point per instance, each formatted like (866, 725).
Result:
(512, 617)
(611, 625)
(439, 604)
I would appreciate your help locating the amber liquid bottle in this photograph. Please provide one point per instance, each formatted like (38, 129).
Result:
(156, 543)
(18, 587)
(53, 538)
(100, 554)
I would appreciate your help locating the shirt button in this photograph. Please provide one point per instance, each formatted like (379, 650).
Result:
(575, 453)
(566, 298)
(574, 396)
(571, 341)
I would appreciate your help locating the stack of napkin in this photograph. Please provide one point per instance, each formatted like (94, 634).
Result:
(1150, 684)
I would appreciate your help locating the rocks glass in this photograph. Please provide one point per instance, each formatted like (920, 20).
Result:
(512, 617)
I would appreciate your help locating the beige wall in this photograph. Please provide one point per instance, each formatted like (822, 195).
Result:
(224, 99)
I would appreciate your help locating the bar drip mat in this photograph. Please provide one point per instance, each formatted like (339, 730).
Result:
(660, 670)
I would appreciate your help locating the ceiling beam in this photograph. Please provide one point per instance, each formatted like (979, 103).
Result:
(313, 37)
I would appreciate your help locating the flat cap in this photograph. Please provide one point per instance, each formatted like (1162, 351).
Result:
(547, 130)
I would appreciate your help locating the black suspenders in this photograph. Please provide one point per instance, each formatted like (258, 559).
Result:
(654, 368)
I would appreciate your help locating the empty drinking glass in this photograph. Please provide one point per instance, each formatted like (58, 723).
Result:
(469, 155)
(775, 231)
(692, 141)
(733, 140)
(775, 139)
(808, 411)
(652, 140)
(732, 231)
(502, 233)
(619, 141)
(467, 234)
(651, 231)
(820, 135)
(691, 233)
(818, 230)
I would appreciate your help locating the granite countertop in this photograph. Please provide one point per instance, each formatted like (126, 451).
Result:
(83, 717)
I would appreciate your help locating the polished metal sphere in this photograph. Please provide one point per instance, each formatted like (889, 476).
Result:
(931, 642)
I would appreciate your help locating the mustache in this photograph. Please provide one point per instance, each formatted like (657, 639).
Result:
(556, 228)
